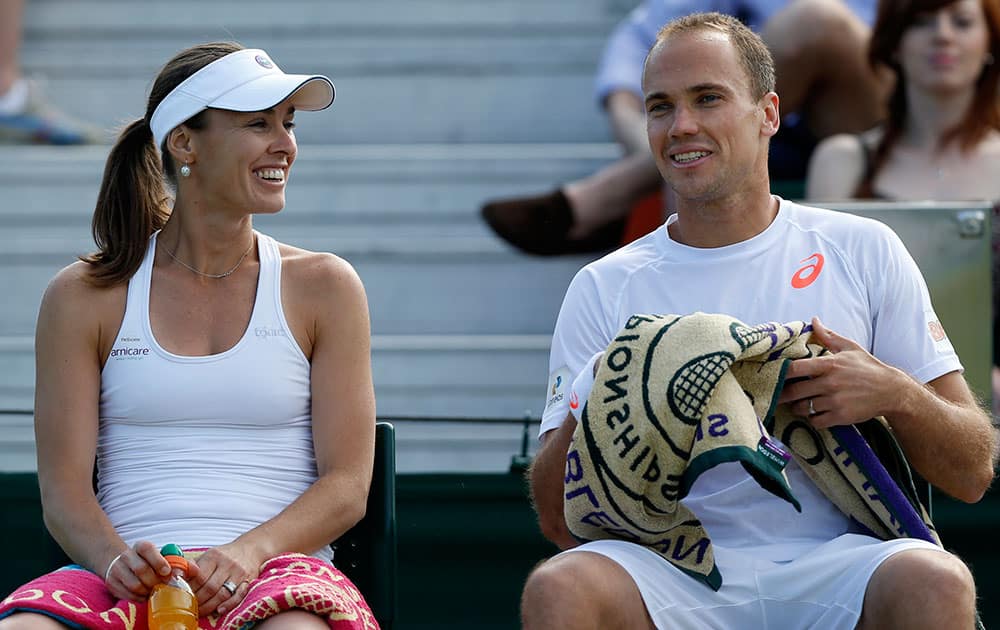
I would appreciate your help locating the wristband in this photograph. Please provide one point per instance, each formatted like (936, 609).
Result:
(107, 573)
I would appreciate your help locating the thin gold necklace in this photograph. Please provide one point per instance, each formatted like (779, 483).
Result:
(216, 276)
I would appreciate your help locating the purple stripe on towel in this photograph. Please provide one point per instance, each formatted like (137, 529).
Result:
(886, 488)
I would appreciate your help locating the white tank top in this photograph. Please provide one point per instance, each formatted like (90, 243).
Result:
(196, 450)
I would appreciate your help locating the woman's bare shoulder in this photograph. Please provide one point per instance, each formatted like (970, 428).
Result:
(321, 292)
(836, 167)
(74, 283)
(317, 285)
(990, 146)
(316, 269)
(848, 146)
(74, 304)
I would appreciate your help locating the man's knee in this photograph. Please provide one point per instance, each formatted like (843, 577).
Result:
(921, 588)
(932, 574)
(582, 590)
(561, 579)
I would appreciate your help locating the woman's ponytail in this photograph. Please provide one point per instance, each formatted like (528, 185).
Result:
(133, 203)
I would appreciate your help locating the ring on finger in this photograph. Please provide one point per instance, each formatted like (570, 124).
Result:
(230, 586)
(812, 410)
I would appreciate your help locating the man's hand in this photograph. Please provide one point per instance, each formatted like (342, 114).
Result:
(845, 387)
(946, 435)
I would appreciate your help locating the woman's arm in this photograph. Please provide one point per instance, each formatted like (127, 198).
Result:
(324, 292)
(70, 337)
(835, 168)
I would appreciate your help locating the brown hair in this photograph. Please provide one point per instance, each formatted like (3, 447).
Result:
(893, 19)
(133, 201)
(753, 52)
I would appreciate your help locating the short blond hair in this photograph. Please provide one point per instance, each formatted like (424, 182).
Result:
(753, 52)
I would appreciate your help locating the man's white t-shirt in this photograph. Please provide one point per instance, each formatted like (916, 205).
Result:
(852, 272)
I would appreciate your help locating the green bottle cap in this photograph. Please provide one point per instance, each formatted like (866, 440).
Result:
(171, 550)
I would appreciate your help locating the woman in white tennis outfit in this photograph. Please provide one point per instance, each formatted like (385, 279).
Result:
(219, 380)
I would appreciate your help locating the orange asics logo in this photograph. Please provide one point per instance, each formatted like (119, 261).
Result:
(574, 401)
(807, 275)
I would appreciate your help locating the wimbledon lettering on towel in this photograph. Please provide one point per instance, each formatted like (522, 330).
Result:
(671, 547)
(615, 390)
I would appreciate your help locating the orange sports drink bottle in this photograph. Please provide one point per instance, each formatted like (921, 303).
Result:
(172, 604)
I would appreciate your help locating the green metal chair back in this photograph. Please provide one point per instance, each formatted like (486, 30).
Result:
(367, 552)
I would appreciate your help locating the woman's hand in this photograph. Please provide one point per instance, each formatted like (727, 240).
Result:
(133, 573)
(220, 568)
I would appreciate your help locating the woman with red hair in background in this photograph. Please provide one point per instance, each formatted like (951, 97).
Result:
(941, 138)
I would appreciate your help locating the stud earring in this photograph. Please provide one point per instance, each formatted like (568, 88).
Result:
(185, 170)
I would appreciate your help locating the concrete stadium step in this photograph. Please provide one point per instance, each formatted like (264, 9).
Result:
(472, 376)
(316, 17)
(430, 376)
(436, 71)
(405, 216)
(360, 184)
(441, 104)
(444, 293)
(460, 322)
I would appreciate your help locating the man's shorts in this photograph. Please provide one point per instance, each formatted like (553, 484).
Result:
(822, 589)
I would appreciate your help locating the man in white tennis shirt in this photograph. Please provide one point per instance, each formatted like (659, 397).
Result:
(734, 248)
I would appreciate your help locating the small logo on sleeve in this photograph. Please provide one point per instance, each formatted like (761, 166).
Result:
(806, 275)
(558, 382)
(574, 401)
(937, 331)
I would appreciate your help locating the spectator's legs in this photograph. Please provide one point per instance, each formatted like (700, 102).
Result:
(588, 214)
(582, 590)
(917, 589)
(25, 117)
(609, 194)
(819, 49)
(11, 12)
(823, 75)
(627, 117)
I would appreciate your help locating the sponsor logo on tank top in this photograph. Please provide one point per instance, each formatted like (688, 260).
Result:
(266, 332)
(807, 274)
(129, 349)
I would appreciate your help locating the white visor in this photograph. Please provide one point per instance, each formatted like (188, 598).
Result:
(243, 81)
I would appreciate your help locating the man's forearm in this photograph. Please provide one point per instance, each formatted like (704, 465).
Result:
(947, 436)
(547, 479)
